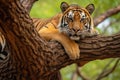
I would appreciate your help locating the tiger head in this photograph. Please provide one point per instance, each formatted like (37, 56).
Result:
(76, 21)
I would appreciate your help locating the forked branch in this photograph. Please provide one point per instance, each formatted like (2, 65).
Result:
(34, 59)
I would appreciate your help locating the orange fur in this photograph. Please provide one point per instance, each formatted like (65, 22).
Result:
(51, 33)
(69, 26)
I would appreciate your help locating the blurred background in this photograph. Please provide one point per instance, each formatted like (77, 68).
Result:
(108, 69)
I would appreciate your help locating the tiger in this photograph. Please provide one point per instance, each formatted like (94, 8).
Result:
(68, 27)
(3, 53)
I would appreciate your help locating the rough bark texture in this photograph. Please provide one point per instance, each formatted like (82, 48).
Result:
(27, 60)
(31, 58)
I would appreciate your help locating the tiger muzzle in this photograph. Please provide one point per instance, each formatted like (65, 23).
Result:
(76, 35)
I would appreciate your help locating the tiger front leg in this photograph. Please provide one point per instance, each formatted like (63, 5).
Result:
(70, 46)
(72, 49)
(95, 32)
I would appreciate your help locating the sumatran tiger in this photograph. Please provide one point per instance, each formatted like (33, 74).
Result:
(67, 27)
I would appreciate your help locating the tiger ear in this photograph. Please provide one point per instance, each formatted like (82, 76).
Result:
(64, 6)
(90, 8)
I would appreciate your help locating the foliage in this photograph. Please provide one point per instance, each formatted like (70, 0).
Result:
(48, 8)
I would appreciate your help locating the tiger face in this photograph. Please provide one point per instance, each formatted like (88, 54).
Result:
(76, 22)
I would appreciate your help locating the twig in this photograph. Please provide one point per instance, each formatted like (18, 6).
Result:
(78, 73)
(106, 71)
(74, 76)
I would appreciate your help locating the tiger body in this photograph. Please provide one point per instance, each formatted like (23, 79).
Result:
(50, 31)
(2, 47)
(68, 27)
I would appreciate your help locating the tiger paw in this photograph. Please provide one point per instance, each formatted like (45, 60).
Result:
(94, 33)
(73, 51)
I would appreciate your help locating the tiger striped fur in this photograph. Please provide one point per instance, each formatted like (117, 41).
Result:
(73, 24)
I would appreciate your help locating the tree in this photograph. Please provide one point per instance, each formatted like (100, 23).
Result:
(31, 58)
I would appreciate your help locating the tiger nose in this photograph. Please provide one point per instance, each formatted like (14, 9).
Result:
(75, 30)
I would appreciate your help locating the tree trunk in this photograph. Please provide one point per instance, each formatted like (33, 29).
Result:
(26, 59)
(31, 58)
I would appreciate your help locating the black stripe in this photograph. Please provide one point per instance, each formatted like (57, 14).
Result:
(54, 25)
(46, 26)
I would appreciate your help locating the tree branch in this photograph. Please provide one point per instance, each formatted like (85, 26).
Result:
(34, 59)
(74, 76)
(107, 14)
(28, 4)
(80, 74)
(77, 74)
(106, 71)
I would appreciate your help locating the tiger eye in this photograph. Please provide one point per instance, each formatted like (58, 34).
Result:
(65, 24)
(82, 19)
(83, 16)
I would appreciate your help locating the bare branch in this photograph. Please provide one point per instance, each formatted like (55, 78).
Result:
(80, 74)
(77, 74)
(107, 14)
(74, 76)
(27, 4)
(106, 71)
(105, 68)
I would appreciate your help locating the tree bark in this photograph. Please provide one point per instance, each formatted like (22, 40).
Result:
(27, 4)
(31, 58)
